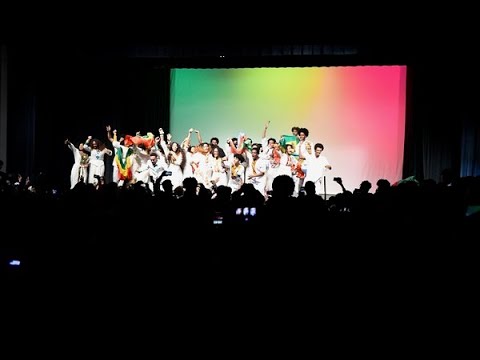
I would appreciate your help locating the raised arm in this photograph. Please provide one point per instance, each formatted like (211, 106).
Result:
(162, 142)
(169, 139)
(109, 134)
(86, 146)
(264, 135)
(199, 137)
(70, 145)
(186, 142)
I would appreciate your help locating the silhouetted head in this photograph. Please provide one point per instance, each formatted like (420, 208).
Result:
(382, 185)
(365, 186)
(283, 186)
(167, 186)
(190, 184)
(310, 188)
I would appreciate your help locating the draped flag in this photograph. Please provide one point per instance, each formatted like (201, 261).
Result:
(124, 166)
(288, 139)
(147, 141)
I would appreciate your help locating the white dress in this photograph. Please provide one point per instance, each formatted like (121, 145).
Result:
(80, 166)
(97, 163)
(316, 170)
(219, 172)
(177, 174)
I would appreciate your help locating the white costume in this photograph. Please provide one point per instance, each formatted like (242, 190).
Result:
(80, 166)
(97, 163)
(256, 167)
(316, 169)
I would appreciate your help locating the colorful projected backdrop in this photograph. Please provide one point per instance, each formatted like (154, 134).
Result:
(357, 113)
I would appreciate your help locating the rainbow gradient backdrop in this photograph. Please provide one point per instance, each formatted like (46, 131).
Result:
(356, 112)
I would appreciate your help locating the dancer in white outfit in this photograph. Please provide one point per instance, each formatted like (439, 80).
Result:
(256, 171)
(237, 173)
(97, 163)
(219, 169)
(317, 165)
(80, 167)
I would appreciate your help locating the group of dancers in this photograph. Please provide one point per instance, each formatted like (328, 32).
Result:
(149, 159)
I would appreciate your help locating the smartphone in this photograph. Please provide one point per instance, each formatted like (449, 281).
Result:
(246, 214)
(217, 219)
